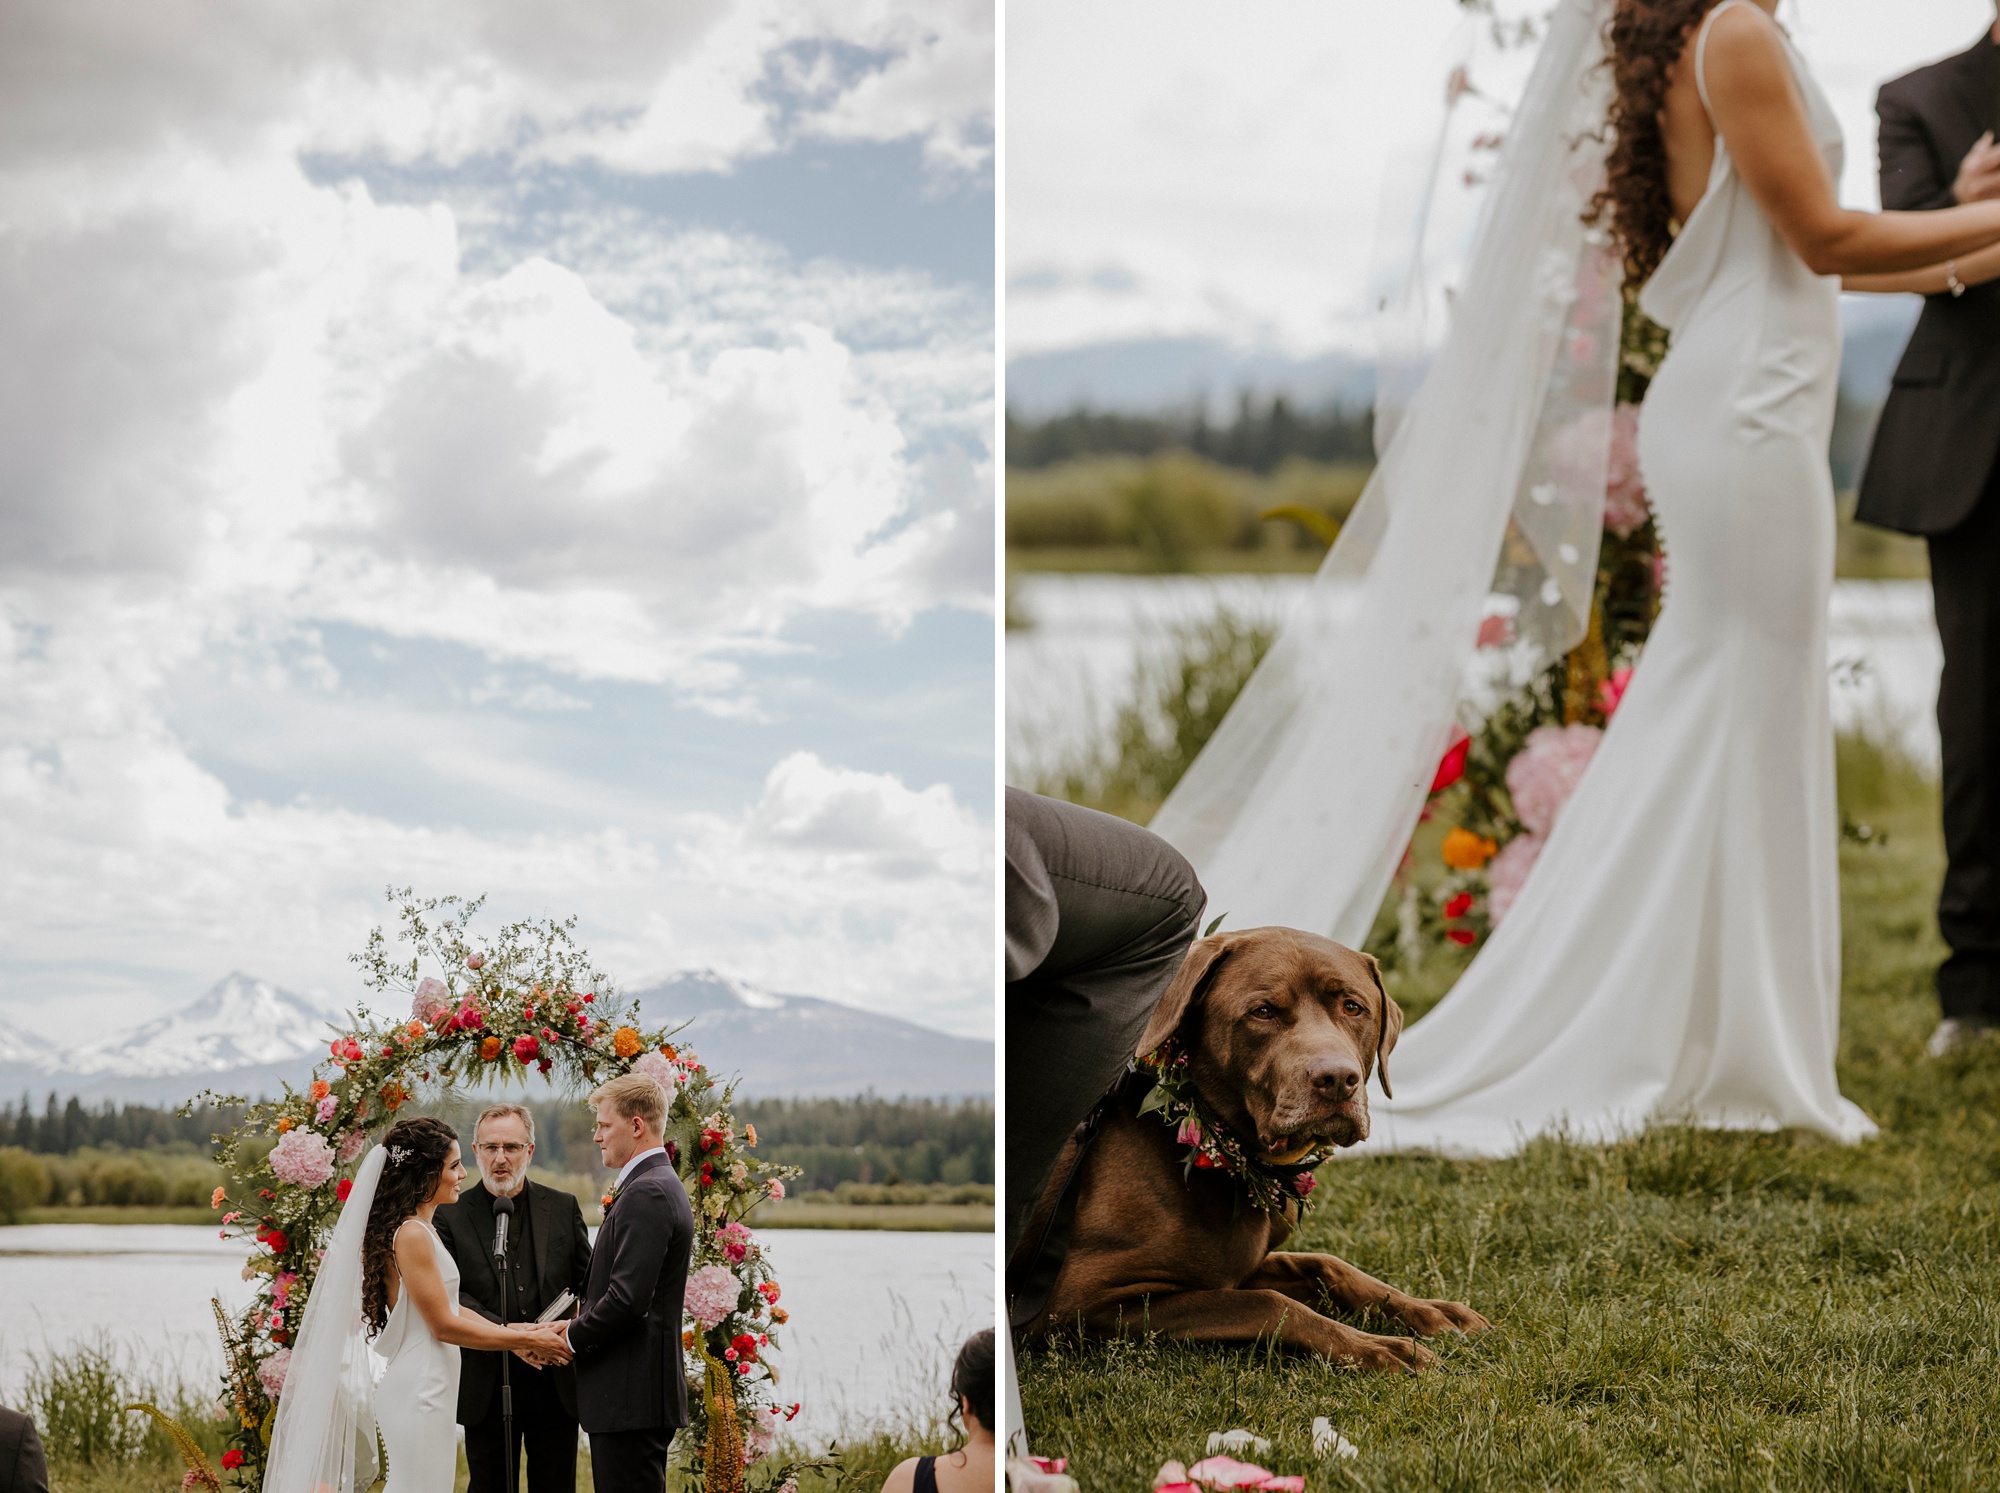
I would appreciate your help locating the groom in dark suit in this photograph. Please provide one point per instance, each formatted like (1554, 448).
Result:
(1935, 471)
(631, 1391)
(548, 1252)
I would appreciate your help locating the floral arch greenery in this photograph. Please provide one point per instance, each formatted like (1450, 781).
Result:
(525, 1002)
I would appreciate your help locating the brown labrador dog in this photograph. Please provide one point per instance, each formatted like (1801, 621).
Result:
(1281, 1029)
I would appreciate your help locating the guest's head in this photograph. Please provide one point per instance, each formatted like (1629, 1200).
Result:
(421, 1169)
(631, 1115)
(972, 1385)
(504, 1142)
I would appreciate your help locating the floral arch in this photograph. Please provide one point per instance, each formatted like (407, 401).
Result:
(526, 1002)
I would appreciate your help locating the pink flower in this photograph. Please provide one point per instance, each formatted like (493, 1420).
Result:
(431, 1001)
(526, 1049)
(1496, 632)
(711, 1295)
(1508, 872)
(1659, 571)
(281, 1288)
(757, 1445)
(1611, 692)
(1624, 488)
(303, 1158)
(469, 1018)
(474, 961)
(1305, 1182)
(325, 1109)
(1545, 772)
(1189, 1134)
(735, 1242)
(351, 1145)
(659, 1068)
(271, 1372)
(777, 1190)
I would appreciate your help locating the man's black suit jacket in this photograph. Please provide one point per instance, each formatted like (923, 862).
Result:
(627, 1339)
(1940, 430)
(562, 1261)
(23, 1469)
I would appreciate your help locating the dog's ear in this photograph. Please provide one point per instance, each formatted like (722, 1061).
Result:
(1390, 1029)
(1195, 971)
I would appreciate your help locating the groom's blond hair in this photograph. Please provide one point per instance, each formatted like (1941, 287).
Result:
(634, 1096)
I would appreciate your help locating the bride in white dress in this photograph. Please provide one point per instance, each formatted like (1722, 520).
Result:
(387, 1274)
(1675, 953)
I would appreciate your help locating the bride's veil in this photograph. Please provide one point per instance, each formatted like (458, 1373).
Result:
(1298, 810)
(324, 1438)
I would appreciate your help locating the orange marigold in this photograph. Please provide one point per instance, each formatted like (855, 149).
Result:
(283, 1126)
(1465, 851)
(490, 1048)
(667, 1051)
(625, 1042)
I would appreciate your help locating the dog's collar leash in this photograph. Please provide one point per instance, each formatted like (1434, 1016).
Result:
(1213, 1146)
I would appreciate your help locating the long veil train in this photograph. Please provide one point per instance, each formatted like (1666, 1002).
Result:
(1299, 808)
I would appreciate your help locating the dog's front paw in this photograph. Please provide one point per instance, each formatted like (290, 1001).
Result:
(1368, 1350)
(1433, 1317)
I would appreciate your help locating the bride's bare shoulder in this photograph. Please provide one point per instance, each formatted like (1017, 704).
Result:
(1744, 46)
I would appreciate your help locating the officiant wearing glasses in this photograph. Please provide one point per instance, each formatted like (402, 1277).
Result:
(548, 1252)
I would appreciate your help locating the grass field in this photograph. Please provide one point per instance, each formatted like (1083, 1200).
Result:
(1689, 1310)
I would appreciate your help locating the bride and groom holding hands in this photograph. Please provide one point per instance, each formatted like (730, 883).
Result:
(391, 1283)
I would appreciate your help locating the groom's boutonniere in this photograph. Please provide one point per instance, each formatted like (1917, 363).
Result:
(610, 1197)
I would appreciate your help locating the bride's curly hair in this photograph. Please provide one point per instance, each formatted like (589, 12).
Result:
(1645, 38)
(423, 1144)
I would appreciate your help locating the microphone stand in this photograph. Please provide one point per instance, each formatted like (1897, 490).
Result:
(503, 1209)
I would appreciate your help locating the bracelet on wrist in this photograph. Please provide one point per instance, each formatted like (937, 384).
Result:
(1951, 281)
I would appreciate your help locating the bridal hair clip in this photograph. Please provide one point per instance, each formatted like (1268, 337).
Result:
(398, 1155)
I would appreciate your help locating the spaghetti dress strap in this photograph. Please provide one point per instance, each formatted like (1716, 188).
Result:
(926, 1477)
(1701, 54)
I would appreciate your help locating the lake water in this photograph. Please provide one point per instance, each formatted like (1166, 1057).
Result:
(875, 1316)
(1071, 668)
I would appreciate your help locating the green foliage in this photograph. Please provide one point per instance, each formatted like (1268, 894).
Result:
(80, 1398)
(1689, 1310)
(910, 1195)
(71, 1126)
(1181, 689)
(1259, 438)
(24, 1183)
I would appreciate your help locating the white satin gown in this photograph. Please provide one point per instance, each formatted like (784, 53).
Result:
(416, 1399)
(1675, 953)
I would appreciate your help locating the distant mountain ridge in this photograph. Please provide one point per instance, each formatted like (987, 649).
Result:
(248, 1036)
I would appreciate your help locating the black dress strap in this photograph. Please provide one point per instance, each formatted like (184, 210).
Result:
(927, 1475)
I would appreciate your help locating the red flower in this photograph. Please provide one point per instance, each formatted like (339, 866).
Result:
(1458, 906)
(231, 1460)
(743, 1345)
(1460, 936)
(277, 1241)
(526, 1050)
(346, 1186)
(545, 1064)
(589, 998)
(1452, 767)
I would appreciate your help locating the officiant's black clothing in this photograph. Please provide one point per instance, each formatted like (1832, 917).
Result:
(1934, 470)
(23, 1469)
(548, 1252)
(631, 1390)
(1100, 914)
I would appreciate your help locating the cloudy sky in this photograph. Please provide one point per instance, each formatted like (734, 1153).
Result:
(440, 446)
(1175, 168)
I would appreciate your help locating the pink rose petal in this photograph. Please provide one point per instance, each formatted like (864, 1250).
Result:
(1227, 1472)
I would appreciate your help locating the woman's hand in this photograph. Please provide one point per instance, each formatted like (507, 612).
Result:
(544, 1344)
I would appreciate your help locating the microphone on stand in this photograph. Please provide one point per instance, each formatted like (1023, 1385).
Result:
(503, 1212)
(503, 1215)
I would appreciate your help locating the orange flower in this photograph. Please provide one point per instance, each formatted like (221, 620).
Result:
(415, 1030)
(320, 1089)
(215, 1199)
(1465, 851)
(780, 1315)
(395, 1096)
(667, 1052)
(750, 1135)
(283, 1126)
(687, 1337)
(625, 1042)
(490, 1048)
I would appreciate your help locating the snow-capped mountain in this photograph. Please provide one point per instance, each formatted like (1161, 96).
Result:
(248, 1036)
(240, 1023)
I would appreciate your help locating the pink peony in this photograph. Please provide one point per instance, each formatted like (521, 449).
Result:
(303, 1158)
(712, 1292)
(1624, 488)
(271, 1372)
(1545, 772)
(1508, 872)
(325, 1110)
(352, 1145)
(660, 1068)
(431, 1001)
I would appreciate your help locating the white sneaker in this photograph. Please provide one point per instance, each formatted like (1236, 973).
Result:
(1955, 1031)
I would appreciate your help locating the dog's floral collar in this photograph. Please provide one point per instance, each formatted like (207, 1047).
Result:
(1212, 1146)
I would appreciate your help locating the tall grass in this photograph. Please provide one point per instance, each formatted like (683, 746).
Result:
(77, 1396)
